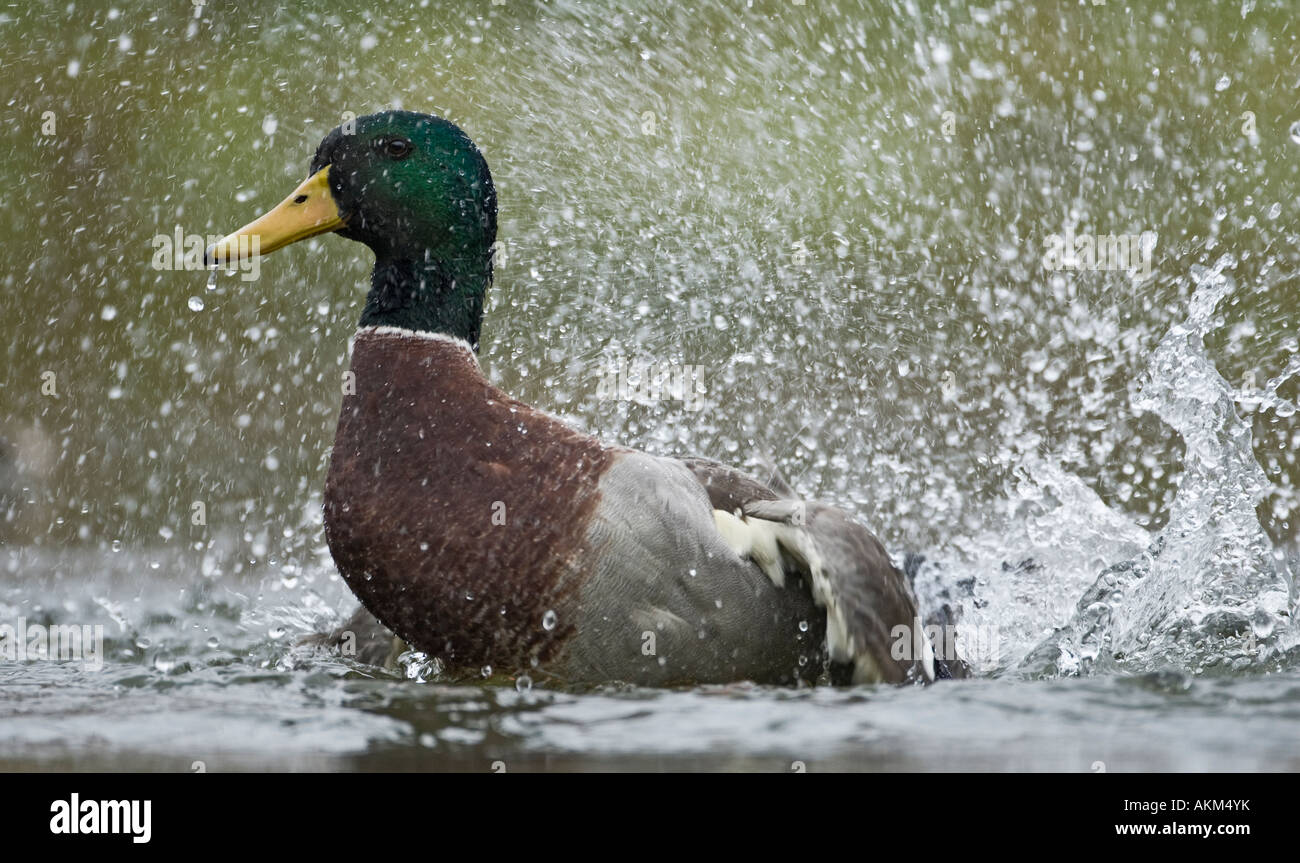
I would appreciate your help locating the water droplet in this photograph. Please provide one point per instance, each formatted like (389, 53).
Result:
(213, 642)
(486, 671)
(1222, 84)
(803, 626)
(117, 545)
(523, 683)
(276, 633)
(549, 620)
(1295, 131)
(196, 304)
(212, 279)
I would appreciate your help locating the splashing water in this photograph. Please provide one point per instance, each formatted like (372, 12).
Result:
(1207, 592)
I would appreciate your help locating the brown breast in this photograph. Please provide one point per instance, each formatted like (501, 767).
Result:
(454, 512)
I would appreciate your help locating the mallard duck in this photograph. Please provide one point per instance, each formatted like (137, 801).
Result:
(488, 534)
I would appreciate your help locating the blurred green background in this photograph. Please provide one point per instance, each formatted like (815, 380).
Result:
(765, 190)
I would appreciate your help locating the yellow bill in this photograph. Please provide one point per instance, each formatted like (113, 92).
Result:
(308, 211)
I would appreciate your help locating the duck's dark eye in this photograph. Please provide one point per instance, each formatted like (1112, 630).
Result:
(395, 148)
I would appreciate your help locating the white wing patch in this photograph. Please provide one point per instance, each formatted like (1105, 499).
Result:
(754, 539)
(762, 541)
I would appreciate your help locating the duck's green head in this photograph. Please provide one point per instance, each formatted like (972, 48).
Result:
(415, 189)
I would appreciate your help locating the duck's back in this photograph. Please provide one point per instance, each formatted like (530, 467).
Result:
(667, 601)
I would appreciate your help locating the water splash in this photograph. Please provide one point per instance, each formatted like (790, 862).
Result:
(1062, 535)
(1208, 592)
